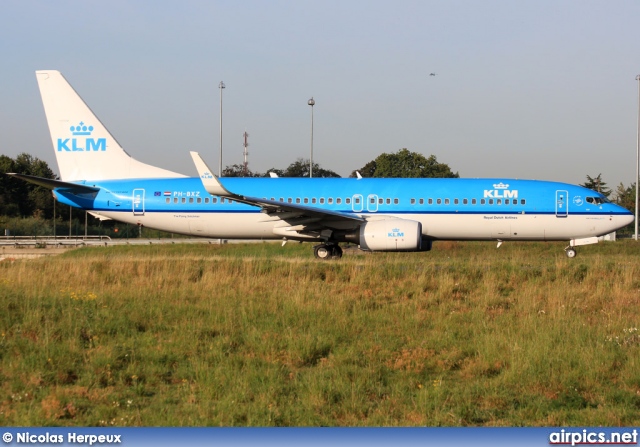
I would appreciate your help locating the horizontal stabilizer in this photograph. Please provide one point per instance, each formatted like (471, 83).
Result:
(74, 188)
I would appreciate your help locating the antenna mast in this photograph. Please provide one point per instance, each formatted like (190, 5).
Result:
(246, 154)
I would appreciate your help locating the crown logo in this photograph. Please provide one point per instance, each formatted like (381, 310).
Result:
(81, 129)
(501, 186)
(395, 230)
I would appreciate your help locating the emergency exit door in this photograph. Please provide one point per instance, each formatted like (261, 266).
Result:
(138, 202)
(562, 203)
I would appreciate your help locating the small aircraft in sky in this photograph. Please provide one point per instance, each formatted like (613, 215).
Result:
(392, 214)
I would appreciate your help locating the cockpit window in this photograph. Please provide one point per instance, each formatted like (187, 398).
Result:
(597, 200)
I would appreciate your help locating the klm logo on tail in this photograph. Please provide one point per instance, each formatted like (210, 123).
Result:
(87, 144)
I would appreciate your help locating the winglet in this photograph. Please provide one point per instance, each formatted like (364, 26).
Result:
(209, 180)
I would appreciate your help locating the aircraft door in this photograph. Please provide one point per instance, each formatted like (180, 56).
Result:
(562, 204)
(138, 202)
(372, 203)
(356, 203)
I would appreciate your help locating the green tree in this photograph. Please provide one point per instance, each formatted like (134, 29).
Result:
(626, 197)
(406, 164)
(20, 198)
(367, 170)
(596, 184)
(300, 168)
(238, 171)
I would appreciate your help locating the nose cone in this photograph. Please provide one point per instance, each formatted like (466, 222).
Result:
(627, 219)
(622, 216)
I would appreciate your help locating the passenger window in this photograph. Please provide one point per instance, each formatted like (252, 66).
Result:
(439, 201)
(482, 201)
(523, 201)
(396, 201)
(347, 201)
(357, 200)
(214, 200)
(373, 200)
(430, 201)
(446, 201)
(206, 200)
(297, 199)
(380, 201)
(455, 201)
(190, 199)
(338, 200)
(289, 200)
(199, 200)
(499, 201)
(313, 200)
(388, 201)
(175, 200)
(282, 199)
(184, 200)
(413, 201)
(465, 201)
(473, 201)
(321, 199)
(506, 201)
(168, 200)
(490, 201)
(306, 200)
(421, 201)
(330, 200)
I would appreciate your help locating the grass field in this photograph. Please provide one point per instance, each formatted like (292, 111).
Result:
(263, 335)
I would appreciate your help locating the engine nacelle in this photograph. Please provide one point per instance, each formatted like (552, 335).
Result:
(391, 235)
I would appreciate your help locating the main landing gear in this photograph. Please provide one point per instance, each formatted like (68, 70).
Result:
(327, 251)
(570, 251)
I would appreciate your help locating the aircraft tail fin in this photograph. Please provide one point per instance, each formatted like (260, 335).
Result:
(84, 148)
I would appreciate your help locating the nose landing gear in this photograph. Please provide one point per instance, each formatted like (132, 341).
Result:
(570, 252)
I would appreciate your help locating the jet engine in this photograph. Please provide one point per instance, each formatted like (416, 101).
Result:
(391, 235)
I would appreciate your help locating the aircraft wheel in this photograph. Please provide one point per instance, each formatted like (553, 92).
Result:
(322, 252)
(571, 253)
(337, 252)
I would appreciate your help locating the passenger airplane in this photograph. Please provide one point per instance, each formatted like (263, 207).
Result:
(97, 175)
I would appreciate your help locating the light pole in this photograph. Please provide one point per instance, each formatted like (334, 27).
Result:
(637, 157)
(221, 87)
(54, 215)
(311, 102)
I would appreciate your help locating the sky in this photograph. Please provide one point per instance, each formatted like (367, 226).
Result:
(541, 89)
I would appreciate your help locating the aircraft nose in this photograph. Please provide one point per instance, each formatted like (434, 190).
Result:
(627, 219)
(624, 216)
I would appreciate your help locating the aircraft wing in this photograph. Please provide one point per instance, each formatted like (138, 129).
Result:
(304, 218)
(73, 188)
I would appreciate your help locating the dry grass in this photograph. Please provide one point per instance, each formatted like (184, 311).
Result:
(264, 335)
